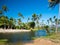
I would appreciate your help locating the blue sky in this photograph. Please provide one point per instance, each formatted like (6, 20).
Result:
(29, 7)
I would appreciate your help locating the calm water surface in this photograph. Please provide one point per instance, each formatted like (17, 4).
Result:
(23, 36)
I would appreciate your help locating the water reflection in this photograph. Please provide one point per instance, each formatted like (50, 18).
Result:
(40, 33)
(18, 38)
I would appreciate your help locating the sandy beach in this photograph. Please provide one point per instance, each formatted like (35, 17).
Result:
(13, 30)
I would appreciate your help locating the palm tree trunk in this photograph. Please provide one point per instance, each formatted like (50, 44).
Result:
(56, 28)
(57, 25)
(4, 26)
(8, 26)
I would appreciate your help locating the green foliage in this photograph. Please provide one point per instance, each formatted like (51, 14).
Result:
(4, 8)
(47, 28)
(1, 12)
(31, 24)
(36, 19)
(53, 3)
(19, 14)
(17, 27)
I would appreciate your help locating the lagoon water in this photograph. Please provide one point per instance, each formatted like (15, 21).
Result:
(22, 36)
(40, 33)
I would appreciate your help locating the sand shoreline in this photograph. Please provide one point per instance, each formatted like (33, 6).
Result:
(13, 30)
(42, 41)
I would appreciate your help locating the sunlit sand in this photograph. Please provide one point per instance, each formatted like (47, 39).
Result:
(13, 30)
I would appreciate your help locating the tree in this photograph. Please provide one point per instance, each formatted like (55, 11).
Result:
(19, 14)
(53, 3)
(1, 12)
(11, 22)
(55, 21)
(32, 24)
(4, 8)
(59, 21)
(3, 21)
(28, 19)
(36, 19)
(56, 24)
(19, 22)
(47, 28)
(51, 21)
(48, 22)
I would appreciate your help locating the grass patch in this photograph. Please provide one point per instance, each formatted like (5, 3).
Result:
(3, 40)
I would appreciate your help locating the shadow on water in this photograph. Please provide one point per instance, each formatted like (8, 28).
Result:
(14, 38)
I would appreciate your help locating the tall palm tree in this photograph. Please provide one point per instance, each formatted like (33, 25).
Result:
(56, 23)
(1, 12)
(4, 8)
(11, 22)
(48, 22)
(59, 21)
(51, 21)
(53, 2)
(28, 19)
(19, 14)
(36, 18)
(19, 22)
(3, 21)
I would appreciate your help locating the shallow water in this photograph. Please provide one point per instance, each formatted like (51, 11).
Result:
(40, 33)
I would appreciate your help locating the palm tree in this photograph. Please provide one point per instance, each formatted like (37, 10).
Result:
(59, 21)
(11, 22)
(28, 19)
(19, 22)
(36, 18)
(53, 3)
(48, 22)
(3, 21)
(51, 21)
(1, 12)
(4, 8)
(19, 14)
(56, 22)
